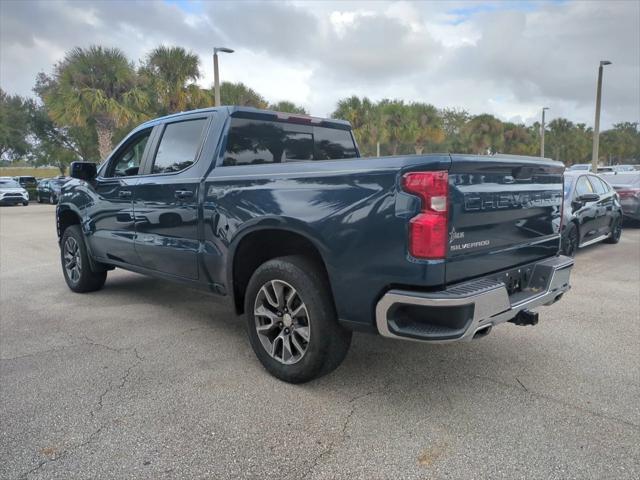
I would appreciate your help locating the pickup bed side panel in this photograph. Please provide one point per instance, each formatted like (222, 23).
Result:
(350, 209)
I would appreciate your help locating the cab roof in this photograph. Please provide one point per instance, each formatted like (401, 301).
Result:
(256, 113)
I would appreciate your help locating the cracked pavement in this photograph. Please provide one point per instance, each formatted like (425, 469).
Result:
(146, 379)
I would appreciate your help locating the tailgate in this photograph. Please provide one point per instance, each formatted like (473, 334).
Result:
(504, 211)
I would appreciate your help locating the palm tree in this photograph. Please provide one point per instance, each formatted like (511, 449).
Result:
(170, 73)
(288, 107)
(95, 86)
(398, 130)
(240, 94)
(518, 140)
(485, 133)
(426, 125)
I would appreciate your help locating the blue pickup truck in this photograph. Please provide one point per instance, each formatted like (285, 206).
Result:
(278, 215)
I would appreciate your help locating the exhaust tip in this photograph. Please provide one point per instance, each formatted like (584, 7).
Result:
(482, 332)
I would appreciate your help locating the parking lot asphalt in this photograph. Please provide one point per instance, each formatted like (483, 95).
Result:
(145, 379)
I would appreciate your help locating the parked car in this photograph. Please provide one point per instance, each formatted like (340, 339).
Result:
(49, 189)
(619, 168)
(30, 184)
(309, 241)
(592, 212)
(12, 193)
(586, 167)
(627, 184)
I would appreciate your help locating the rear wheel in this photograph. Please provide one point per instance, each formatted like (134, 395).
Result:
(76, 267)
(570, 240)
(291, 320)
(616, 231)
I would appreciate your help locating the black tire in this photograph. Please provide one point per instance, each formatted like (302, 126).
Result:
(616, 231)
(328, 342)
(85, 280)
(570, 240)
(25, 203)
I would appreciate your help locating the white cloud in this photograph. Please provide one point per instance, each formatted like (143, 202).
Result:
(505, 58)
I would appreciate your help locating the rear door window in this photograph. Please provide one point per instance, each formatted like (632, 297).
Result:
(332, 143)
(254, 142)
(178, 146)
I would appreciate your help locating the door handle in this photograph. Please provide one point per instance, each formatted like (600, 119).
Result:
(183, 194)
(124, 194)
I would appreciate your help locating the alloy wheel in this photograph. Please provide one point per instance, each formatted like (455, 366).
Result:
(282, 322)
(72, 259)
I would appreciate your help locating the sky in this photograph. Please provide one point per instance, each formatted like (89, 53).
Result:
(506, 58)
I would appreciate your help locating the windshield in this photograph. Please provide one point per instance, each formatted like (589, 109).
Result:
(9, 184)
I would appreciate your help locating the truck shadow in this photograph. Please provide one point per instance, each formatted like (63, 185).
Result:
(372, 363)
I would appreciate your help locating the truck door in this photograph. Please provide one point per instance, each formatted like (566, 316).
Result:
(166, 200)
(111, 215)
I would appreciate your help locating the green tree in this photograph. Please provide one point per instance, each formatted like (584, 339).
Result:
(621, 144)
(287, 107)
(169, 75)
(59, 146)
(95, 86)
(426, 127)
(518, 140)
(14, 126)
(366, 120)
(568, 142)
(398, 130)
(485, 134)
(240, 94)
(453, 124)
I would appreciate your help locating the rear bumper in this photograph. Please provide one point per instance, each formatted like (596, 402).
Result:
(462, 310)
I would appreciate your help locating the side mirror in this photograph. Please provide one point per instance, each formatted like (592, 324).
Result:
(589, 197)
(83, 170)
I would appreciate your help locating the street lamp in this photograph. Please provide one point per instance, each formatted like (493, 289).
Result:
(216, 78)
(542, 133)
(596, 126)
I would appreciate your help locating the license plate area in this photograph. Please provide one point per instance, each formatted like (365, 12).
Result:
(516, 280)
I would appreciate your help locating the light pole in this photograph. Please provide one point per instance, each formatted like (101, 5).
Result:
(596, 125)
(542, 133)
(216, 77)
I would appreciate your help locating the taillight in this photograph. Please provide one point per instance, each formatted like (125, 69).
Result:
(428, 231)
(629, 193)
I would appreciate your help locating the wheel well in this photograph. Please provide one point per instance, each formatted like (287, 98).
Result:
(65, 220)
(261, 246)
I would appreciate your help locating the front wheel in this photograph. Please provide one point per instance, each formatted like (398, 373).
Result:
(616, 231)
(25, 203)
(570, 240)
(291, 320)
(75, 263)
